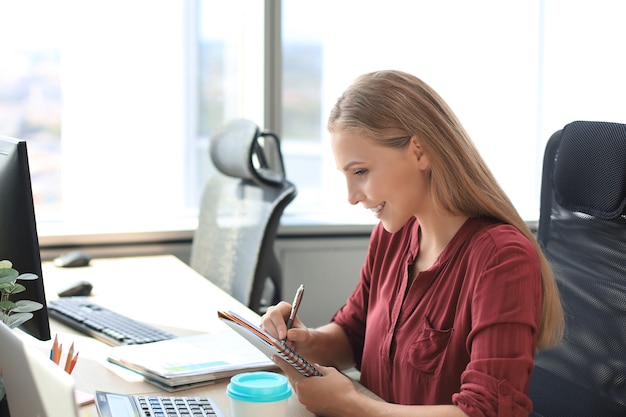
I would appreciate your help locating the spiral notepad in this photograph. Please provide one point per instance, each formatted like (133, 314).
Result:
(266, 343)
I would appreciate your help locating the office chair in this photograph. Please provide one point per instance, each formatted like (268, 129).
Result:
(582, 229)
(240, 211)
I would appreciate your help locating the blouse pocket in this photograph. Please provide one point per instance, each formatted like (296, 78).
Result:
(428, 350)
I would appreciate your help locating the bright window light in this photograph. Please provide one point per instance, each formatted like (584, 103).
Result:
(118, 100)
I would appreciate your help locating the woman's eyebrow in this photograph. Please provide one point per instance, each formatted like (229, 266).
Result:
(351, 164)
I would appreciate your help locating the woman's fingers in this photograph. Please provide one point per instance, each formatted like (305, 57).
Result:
(274, 320)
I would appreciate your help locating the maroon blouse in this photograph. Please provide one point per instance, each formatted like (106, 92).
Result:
(467, 330)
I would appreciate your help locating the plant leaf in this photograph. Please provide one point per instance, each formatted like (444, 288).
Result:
(15, 320)
(26, 306)
(28, 276)
(8, 274)
(5, 264)
(7, 305)
(13, 288)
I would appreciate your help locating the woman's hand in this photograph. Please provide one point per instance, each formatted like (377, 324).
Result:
(274, 321)
(328, 395)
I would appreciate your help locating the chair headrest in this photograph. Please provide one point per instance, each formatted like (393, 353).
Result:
(239, 149)
(589, 173)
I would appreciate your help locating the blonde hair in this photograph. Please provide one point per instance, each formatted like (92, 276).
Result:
(394, 104)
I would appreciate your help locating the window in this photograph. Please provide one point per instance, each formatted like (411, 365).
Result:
(229, 63)
(107, 95)
(102, 102)
(30, 94)
(514, 72)
(118, 99)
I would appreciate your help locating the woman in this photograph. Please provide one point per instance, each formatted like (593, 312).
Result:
(455, 295)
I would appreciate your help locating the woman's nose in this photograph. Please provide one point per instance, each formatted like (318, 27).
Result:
(355, 196)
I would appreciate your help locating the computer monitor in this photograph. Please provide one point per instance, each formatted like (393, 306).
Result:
(19, 242)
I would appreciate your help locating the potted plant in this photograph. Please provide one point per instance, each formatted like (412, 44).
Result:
(12, 313)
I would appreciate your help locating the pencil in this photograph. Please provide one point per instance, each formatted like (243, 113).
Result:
(73, 363)
(69, 358)
(55, 345)
(57, 353)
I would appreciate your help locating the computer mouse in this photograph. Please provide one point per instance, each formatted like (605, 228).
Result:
(81, 288)
(72, 259)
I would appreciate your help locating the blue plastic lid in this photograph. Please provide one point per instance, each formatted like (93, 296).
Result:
(259, 387)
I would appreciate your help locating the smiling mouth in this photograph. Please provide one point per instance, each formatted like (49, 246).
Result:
(378, 208)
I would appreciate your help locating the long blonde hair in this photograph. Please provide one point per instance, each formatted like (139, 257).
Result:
(394, 104)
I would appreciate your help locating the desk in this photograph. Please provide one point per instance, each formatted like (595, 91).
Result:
(159, 290)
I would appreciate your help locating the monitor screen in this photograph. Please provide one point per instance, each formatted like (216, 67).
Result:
(19, 241)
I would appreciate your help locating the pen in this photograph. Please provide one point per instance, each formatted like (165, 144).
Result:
(295, 306)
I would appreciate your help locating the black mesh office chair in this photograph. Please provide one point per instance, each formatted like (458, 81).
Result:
(582, 229)
(240, 213)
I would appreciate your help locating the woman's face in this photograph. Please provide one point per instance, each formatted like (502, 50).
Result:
(390, 182)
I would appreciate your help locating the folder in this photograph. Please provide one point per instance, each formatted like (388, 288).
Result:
(191, 361)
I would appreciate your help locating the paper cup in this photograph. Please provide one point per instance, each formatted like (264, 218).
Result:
(258, 394)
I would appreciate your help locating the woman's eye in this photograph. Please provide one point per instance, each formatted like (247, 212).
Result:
(360, 171)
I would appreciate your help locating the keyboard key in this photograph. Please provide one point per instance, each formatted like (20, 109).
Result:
(175, 406)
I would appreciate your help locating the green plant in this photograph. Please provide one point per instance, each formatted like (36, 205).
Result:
(15, 313)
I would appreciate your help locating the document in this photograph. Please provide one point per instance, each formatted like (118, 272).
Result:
(266, 343)
(190, 361)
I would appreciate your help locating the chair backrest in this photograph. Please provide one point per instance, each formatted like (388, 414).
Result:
(582, 229)
(240, 212)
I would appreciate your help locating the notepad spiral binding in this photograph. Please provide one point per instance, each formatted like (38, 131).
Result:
(267, 343)
(297, 361)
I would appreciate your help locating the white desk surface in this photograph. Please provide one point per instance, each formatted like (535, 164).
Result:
(159, 290)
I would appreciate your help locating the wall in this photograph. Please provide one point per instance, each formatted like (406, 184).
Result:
(328, 268)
